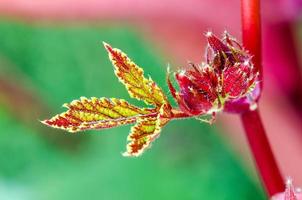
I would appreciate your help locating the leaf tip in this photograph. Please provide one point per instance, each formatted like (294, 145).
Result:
(126, 154)
(107, 46)
(131, 154)
(45, 122)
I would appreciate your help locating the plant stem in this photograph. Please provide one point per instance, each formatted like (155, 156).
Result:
(263, 155)
(251, 31)
(255, 133)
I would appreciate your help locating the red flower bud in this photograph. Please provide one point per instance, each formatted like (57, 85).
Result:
(225, 82)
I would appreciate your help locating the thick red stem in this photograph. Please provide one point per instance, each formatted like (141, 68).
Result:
(251, 31)
(263, 155)
(255, 133)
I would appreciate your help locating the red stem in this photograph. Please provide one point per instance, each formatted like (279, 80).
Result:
(251, 31)
(255, 133)
(263, 155)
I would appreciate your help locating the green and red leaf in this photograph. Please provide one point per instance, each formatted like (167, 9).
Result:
(146, 131)
(132, 76)
(95, 113)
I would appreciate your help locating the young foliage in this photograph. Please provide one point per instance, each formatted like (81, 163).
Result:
(132, 76)
(227, 76)
(94, 113)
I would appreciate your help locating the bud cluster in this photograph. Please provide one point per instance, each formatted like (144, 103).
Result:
(227, 81)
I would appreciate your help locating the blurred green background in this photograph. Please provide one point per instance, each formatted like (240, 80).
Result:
(45, 65)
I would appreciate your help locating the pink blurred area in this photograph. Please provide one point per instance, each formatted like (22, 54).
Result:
(177, 27)
(117, 9)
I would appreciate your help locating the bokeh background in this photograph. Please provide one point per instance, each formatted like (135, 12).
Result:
(51, 53)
